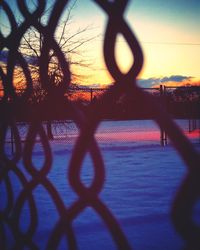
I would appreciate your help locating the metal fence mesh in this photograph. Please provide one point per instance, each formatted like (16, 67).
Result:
(32, 176)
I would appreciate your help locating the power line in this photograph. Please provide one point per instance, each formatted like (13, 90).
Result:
(165, 43)
(173, 43)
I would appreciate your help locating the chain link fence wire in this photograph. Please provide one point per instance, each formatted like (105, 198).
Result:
(33, 174)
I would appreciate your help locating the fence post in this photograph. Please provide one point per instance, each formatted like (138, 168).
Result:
(49, 130)
(161, 90)
(163, 135)
(91, 95)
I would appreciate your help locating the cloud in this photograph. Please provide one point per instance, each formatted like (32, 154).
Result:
(146, 83)
(174, 80)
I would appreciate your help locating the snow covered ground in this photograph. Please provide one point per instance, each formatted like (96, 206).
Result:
(141, 180)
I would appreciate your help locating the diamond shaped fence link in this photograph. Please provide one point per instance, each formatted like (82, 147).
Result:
(10, 216)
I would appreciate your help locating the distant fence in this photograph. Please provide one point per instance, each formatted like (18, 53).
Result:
(180, 102)
(91, 93)
(65, 130)
(175, 93)
(184, 95)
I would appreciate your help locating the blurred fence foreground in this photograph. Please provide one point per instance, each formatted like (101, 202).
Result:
(11, 214)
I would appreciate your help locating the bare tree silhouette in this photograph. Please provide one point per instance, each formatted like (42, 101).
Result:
(70, 42)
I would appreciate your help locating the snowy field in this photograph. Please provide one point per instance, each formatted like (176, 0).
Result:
(141, 180)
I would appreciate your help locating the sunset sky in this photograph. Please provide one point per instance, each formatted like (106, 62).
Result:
(169, 35)
(168, 32)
